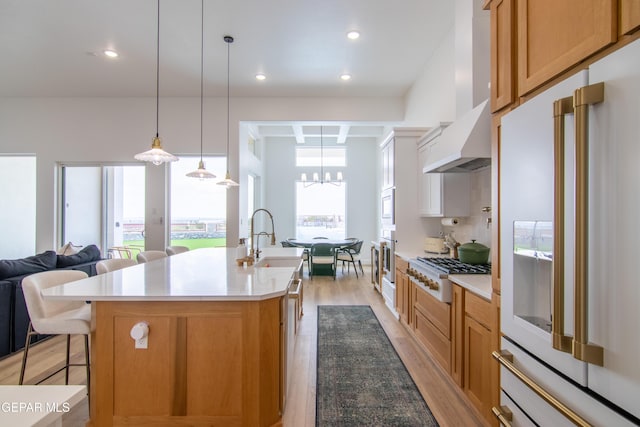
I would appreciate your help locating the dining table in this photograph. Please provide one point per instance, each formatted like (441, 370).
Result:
(307, 243)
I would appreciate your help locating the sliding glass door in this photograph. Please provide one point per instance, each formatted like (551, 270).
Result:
(103, 205)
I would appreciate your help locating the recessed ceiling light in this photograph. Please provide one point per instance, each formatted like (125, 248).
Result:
(352, 35)
(260, 76)
(345, 77)
(110, 53)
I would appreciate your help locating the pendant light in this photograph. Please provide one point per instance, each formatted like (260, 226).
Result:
(157, 155)
(227, 179)
(202, 173)
(323, 178)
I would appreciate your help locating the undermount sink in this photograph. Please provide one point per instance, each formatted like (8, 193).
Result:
(279, 262)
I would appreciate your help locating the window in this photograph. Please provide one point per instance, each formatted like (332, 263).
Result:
(198, 207)
(331, 156)
(18, 213)
(320, 211)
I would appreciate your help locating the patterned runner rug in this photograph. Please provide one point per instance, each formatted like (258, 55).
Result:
(361, 380)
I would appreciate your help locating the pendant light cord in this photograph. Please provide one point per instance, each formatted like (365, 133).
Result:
(201, 73)
(158, 75)
(229, 41)
(321, 157)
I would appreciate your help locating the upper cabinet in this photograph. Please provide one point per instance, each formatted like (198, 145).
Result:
(555, 35)
(441, 194)
(535, 41)
(502, 53)
(388, 180)
(629, 16)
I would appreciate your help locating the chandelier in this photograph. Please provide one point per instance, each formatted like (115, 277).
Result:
(323, 177)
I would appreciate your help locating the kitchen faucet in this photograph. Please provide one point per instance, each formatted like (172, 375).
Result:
(256, 252)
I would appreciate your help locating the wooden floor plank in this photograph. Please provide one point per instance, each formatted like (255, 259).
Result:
(446, 400)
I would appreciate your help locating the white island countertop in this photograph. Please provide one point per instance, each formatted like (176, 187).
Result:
(199, 275)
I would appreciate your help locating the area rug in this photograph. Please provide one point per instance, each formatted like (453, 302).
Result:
(361, 380)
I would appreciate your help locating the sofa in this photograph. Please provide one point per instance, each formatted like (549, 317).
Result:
(14, 317)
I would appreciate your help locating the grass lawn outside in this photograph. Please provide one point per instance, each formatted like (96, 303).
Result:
(190, 243)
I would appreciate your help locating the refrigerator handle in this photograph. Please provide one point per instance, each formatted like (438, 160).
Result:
(505, 358)
(582, 349)
(560, 341)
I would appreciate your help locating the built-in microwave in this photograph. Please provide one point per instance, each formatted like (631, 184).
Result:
(387, 207)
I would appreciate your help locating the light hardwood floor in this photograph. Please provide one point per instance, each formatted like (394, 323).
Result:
(446, 400)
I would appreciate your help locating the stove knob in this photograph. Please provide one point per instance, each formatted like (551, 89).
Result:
(435, 286)
(430, 283)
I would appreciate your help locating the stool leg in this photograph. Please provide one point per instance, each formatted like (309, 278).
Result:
(86, 358)
(66, 371)
(25, 352)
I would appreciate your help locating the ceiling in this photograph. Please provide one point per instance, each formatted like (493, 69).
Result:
(54, 49)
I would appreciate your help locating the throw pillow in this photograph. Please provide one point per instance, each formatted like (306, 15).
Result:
(69, 249)
(33, 264)
(87, 254)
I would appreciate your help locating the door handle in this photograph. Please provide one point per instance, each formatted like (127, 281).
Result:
(560, 341)
(582, 349)
(505, 358)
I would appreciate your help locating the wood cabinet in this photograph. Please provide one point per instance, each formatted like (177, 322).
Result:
(207, 362)
(629, 16)
(503, 41)
(432, 325)
(403, 291)
(556, 35)
(433, 189)
(472, 339)
(457, 334)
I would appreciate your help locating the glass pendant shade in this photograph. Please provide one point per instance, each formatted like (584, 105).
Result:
(202, 173)
(228, 182)
(156, 155)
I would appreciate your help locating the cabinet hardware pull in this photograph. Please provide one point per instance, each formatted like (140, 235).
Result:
(506, 359)
(503, 414)
(582, 349)
(561, 107)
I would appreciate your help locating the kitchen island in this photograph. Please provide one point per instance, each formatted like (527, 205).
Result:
(212, 339)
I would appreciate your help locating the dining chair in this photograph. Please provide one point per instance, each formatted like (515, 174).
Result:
(351, 254)
(174, 250)
(113, 264)
(290, 243)
(320, 238)
(323, 254)
(55, 317)
(146, 256)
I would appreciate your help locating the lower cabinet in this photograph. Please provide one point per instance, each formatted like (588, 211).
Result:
(432, 325)
(403, 291)
(458, 336)
(473, 349)
(207, 362)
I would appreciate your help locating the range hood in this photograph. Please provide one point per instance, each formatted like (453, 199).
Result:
(464, 146)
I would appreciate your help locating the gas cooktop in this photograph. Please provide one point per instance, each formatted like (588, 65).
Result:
(454, 266)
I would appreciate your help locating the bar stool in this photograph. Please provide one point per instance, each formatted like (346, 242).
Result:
(113, 264)
(56, 317)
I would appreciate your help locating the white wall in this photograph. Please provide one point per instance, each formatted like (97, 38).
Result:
(360, 175)
(113, 130)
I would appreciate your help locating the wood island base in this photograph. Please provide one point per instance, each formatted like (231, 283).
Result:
(214, 363)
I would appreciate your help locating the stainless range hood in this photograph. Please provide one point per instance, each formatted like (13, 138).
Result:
(464, 146)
